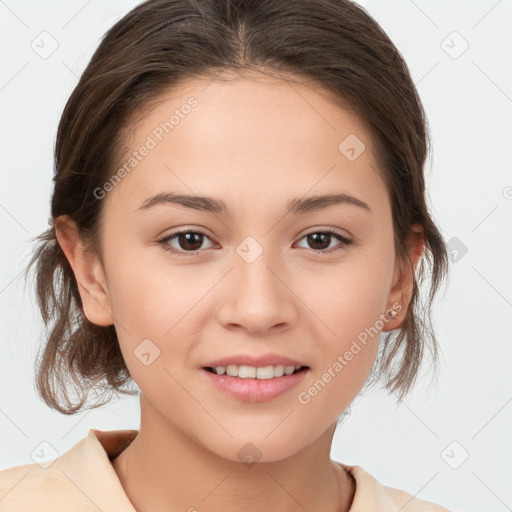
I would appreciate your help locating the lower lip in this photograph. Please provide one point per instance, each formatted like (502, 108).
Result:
(255, 390)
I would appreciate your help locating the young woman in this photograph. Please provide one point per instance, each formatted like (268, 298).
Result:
(238, 226)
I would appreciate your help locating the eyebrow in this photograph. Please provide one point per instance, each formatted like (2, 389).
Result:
(209, 204)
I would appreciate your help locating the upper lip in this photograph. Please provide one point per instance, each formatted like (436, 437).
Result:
(249, 360)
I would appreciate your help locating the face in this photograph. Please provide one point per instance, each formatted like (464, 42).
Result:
(273, 271)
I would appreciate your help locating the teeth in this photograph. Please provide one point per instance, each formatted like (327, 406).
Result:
(253, 372)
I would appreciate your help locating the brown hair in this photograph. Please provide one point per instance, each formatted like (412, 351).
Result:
(161, 43)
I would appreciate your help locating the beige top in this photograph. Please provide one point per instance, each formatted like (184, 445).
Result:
(84, 480)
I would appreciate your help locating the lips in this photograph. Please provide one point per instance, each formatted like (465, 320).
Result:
(258, 361)
(254, 389)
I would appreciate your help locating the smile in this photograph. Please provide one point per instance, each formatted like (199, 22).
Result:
(256, 372)
(255, 384)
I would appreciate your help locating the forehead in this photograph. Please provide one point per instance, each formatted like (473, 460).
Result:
(237, 136)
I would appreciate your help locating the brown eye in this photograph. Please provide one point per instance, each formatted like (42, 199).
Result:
(190, 241)
(320, 241)
(185, 241)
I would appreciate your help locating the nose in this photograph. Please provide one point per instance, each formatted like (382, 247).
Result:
(257, 296)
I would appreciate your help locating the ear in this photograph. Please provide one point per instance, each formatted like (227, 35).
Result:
(88, 270)
(403, 280)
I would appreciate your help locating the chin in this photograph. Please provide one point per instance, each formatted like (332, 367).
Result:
(265, 446)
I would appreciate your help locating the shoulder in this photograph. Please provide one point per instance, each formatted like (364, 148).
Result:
(30, 487)
(372, 495)
(81, 479)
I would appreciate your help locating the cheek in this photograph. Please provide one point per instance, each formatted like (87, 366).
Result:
(155, 332)
(156, 307)
(351, 297)
(349, 333)
(148, 296)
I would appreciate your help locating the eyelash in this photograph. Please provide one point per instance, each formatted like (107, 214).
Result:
(344, 242)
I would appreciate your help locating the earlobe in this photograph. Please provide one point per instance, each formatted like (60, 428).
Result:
(403, 279)
(88, 272)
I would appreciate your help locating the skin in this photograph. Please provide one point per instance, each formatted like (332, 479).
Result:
(256, 143)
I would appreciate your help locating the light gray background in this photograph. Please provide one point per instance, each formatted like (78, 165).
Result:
(468, 99)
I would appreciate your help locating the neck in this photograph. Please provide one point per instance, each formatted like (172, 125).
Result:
(163, 468)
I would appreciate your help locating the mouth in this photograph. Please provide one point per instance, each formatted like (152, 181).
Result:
(255, 383)
(256, 372)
